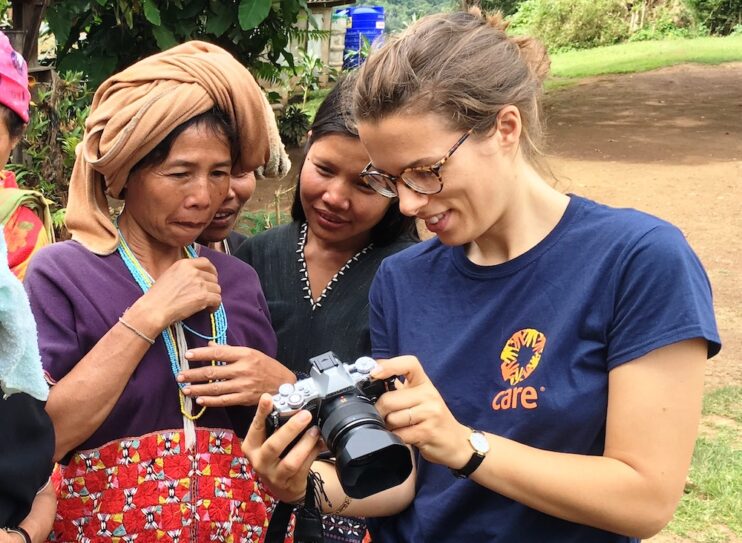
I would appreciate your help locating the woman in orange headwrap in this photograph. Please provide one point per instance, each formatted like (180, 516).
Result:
(119, 306)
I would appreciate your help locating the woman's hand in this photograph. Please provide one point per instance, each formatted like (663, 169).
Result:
(247, 374)
(417, 413)
(6, 537)
(285, 478)
(188, 286)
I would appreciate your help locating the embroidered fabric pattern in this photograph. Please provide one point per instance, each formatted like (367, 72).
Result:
(305, 274)
(343, 529)
(151, 489)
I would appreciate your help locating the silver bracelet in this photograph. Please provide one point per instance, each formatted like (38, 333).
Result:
(137, 332)
(19, 531)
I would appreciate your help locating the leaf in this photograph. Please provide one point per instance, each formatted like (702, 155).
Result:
(152, 12)
(219, 20)
(192, 9)
(59, 23)
(164, 37)
(253, 12)
(290, 9)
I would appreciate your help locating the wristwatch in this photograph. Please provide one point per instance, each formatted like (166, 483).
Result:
(481, 447)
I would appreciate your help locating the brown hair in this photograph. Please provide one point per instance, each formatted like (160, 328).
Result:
(462, 66)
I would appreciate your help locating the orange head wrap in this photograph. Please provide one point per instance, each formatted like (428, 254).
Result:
(136, 109)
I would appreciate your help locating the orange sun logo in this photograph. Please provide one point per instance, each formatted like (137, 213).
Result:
(512, 371)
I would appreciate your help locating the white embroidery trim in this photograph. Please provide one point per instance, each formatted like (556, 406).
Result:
(305, 274)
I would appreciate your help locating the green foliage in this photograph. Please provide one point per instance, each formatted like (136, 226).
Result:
(507, 7)
(719, 16)
(104, 36)
(398, 14)
(355, 58)
(53, 132)
(254, 222)
(4, 5)
(573, 24)
(308, 71)
(671, 19)
(293, 125)
(315, 100)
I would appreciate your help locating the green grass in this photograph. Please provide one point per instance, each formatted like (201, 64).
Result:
(641, 56)
(710, 510)
(724, 402)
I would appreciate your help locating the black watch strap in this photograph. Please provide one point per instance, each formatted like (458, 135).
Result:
(473, 463)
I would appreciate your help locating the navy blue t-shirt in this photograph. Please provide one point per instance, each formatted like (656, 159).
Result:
(523, 350)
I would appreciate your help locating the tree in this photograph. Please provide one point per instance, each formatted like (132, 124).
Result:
(100, 37)
(508, 7)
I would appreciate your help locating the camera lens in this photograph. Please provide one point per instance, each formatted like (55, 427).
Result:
(369, 458)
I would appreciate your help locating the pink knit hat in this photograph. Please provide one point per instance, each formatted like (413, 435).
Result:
(13, 79)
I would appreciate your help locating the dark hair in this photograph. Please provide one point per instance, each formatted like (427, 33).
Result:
(13, 122)
(213, 120)
(333, 117)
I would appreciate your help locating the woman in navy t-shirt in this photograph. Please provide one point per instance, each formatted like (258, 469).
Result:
(553, 348)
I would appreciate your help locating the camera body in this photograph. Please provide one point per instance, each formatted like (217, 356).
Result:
(341, 397)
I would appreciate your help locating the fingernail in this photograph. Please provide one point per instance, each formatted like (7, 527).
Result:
(189, 354)
(180, 378)
(199, 400)
(305, 416)
(376, 370)
(314, 431)
(186, 391)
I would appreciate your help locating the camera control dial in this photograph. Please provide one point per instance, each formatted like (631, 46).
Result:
(285, 389)
(365, 364)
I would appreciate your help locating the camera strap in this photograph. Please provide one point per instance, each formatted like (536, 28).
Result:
(308, 519)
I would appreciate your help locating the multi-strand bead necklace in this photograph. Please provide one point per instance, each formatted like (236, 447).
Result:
(173, 335)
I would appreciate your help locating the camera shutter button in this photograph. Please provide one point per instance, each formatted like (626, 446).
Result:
(286, 389)
(295, 400)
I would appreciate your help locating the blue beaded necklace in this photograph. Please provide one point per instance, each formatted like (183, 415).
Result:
(218, 318)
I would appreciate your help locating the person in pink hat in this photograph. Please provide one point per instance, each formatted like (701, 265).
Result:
(27, 499)
(24, 213)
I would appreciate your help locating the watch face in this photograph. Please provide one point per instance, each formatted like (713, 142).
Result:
(479, 442)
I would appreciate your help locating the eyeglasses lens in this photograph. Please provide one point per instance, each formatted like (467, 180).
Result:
(380, 184)
(422, 181)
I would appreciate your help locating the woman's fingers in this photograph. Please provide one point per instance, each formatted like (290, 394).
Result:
(277, 443)
(256, 432)
(408, 367)
(302, 453)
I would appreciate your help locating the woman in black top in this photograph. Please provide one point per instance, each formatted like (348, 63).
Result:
(316, 271)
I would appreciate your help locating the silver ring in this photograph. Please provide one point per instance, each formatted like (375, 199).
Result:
(409, 415)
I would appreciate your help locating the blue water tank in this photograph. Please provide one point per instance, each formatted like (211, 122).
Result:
(367, 21)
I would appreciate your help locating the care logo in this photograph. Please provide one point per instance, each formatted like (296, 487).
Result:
(515, 369)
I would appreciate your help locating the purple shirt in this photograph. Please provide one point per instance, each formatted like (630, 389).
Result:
(77, 297)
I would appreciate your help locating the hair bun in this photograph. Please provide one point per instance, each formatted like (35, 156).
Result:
(534, 54)
(494, 20)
